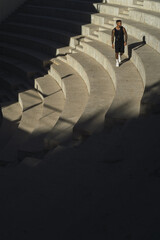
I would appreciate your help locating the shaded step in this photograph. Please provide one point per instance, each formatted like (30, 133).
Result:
(22, 69)
(70, 4)
(53, 104)
(45, 21)
(101, 90)
(76, 94)
(42, 45)
(34, 57)
(13, 84)
(6, 95)
(11, 113)
(31, 104)
(57, 12)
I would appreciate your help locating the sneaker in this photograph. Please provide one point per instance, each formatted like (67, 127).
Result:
(119, 58)
(117, 63)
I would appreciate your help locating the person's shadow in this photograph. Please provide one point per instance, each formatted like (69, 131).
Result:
(134, 46)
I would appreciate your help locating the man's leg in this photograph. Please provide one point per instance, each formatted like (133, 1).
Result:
(119, 56)
(116, 55)
(117, 61)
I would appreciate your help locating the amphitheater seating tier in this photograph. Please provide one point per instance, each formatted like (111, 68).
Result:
(58, 73)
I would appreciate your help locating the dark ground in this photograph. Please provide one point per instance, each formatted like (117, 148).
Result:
(107, 188)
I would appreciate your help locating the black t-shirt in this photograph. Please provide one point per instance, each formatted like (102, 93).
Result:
(119, 34)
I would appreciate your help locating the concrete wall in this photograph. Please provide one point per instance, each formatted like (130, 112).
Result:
(8, 6)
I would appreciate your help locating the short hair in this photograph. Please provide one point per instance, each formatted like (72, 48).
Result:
(118, 21)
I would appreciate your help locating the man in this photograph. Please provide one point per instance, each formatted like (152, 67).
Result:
(119, 33)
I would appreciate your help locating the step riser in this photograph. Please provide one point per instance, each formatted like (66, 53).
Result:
(23, 56)
(109, 10)
(138, 16)
(52, 72)
(81, 6)
(145, 18)
(139, 34)
(102, 60)
(44, 22)
(95, 116)
(20, 72)
(28, 43)
(40, 33)
(106, 38)
(58, 13)
(80, 70)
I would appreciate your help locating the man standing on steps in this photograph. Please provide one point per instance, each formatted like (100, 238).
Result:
(118, 33)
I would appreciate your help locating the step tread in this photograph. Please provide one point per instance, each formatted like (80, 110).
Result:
(55, 8)
(128, 90)
(101, 92)
(147, 54)
(37, 54)
(14, 80)
(46, 85)
(32, 111)
(53, 105)
(36, 39)
(18, 63)
(74, 105)
(143, 26)
(11, 116)
(51, 18)
(29, 98)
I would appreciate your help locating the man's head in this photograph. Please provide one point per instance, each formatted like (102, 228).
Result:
(119, 23)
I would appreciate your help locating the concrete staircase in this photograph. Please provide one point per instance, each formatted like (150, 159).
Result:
(59, 78)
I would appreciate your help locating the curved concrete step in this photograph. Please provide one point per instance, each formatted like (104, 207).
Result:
(151, 5)
(145, 16)
(45, 21)
(128, 83)
(34, 57)
(53, 104)
(11, 113)
(70, 4)
(6, 96)
(76, 95)
(73, 14)
(22, 69)
(101, 90)
(31, 104)
(43, 45)
(14, 84)
(135, 29)
(145, 58)
(47, 33)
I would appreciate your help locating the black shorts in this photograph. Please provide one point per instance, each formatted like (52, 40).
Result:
(119, 47)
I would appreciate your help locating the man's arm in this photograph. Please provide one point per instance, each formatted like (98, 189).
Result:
(125, 35)
(112, 37)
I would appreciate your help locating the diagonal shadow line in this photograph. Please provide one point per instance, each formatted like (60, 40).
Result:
(134, 46)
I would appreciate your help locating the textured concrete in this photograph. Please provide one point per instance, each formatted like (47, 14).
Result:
(129, 90)
(102, 187)
(134, 28)
(76, 98)
(11, 118)
(31, 104)
(53, 104)
(101, 93)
